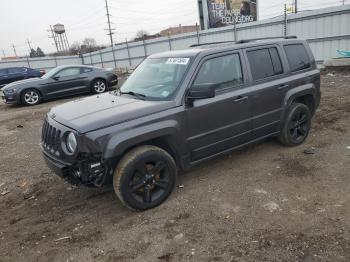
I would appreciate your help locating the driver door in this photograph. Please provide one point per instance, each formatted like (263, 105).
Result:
(223, 122)
(68, 81)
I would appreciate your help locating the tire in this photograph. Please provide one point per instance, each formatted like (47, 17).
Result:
(144, 177)
(296, 126)
(99, 86)
(30, 97)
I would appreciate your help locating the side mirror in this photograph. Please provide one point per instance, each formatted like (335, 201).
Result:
(202, 91)
(55, 78)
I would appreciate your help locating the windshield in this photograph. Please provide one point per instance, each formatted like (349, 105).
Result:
(156, 78)
(51, 73)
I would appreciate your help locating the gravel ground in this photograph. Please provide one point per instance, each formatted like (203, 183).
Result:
(263, 203)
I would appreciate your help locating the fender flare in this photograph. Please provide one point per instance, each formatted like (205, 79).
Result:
(122, 141)
(292, 94)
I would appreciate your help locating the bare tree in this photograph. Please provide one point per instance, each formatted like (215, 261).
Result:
(141, 34)
(89, 44)
(75, 48)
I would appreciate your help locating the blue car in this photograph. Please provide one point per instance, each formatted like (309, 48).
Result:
(12, 74)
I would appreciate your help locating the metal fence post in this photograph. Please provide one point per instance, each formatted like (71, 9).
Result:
(128, 51)
(28, 62)
(115, 62)
(101, 59)
(82, 59)
(285, 21)
(91, 59)
(235, 28)
(144, 46)
(198, 40)
(169, 40)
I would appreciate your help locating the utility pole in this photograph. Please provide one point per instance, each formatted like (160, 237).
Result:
(14, 49)
(285, 21)
(296, 6)
(3, 53)
(30, 47)
(110, 33)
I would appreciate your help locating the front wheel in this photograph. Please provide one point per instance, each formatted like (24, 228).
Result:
(99, 86)
(144, 177)
(296, 126)
(30, 97)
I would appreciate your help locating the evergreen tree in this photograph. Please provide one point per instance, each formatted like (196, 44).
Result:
(39, 52)
(32, 53)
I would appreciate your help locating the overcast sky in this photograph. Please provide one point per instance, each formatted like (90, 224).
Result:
(22, 19)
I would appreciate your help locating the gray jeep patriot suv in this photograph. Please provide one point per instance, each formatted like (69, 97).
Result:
(180, 108)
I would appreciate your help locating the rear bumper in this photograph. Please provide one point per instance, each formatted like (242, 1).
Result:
(112, 81)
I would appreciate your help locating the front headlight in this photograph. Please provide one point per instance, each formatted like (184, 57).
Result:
(10, 91)
(71, 143)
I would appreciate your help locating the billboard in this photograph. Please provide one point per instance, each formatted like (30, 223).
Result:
(228, 12)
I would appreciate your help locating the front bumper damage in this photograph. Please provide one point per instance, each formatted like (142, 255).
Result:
(88, 170)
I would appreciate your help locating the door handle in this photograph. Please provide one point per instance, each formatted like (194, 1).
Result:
(283, 86)
(240, 99)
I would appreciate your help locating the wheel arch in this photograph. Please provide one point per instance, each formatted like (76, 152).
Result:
(29, 88)
(305, 94)
(166, 138)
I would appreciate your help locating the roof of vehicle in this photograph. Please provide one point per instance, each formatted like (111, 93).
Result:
(224, 46)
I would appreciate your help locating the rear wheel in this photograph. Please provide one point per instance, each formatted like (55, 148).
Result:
(144, 177)
(31, 97)
(99, 86)
(296, 126)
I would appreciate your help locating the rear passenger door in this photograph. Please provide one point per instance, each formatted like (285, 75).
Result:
(270, 84)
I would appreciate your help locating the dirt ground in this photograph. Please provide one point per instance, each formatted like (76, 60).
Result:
(263, 203)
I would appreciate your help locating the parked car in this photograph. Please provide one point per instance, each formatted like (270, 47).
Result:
(179, 109)
(59, 82)
(12, 74)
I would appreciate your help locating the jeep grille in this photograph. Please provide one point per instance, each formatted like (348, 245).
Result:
(50, 138)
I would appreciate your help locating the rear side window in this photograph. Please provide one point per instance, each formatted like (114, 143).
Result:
(86, 70)
(298, 58)
(16, 70)
(223, 72)
(264, 63)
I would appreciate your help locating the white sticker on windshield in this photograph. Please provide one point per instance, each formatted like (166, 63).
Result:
(165, 93)
(178, 61)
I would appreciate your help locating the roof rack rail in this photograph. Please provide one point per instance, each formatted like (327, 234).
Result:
(246, 40)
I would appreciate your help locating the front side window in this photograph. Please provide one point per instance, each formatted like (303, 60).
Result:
(222, 72)
(264, 63)
(297, 57)
(156, 78)
(73, 71)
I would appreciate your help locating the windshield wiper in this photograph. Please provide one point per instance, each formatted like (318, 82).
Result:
(138, 95)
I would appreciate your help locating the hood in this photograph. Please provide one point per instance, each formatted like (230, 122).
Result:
(104, 110)
(22, 83)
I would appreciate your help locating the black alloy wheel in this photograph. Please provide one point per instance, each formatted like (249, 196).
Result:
(297, 125)
(145, 177)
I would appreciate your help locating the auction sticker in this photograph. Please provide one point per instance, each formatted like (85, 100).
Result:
(178, 61)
